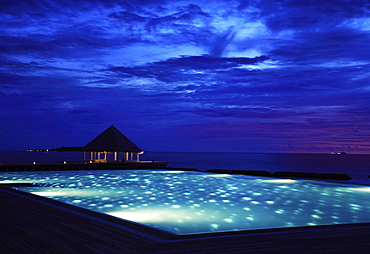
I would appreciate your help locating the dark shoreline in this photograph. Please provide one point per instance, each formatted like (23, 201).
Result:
(283, 174)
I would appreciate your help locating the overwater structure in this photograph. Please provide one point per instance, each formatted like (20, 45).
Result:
(110, 145)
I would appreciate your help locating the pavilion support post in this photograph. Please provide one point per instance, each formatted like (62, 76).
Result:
(137, 157)
(115, 156)
(126, 156)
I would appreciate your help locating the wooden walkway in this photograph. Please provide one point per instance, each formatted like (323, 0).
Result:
(31, 224)
(84, 166)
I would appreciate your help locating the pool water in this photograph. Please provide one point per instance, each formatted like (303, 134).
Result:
(183, 202)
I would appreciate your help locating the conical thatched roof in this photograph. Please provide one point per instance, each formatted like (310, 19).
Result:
(111, 140)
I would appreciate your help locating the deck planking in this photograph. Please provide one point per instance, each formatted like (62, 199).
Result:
(29, 226)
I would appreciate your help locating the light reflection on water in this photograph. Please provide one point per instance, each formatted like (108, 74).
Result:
(193, 202)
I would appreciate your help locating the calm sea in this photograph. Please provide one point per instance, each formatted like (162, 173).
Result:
(356, 166)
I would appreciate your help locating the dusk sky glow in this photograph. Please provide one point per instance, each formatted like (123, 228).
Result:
(233, 76)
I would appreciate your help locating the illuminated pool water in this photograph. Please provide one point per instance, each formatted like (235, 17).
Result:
(193, 202)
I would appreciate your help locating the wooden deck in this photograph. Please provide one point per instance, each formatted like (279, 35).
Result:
(32, 224)
(61, 166)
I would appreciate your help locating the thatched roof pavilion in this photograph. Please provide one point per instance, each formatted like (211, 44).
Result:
(111, 142)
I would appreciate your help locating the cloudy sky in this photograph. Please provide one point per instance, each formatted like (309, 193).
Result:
(233, 76)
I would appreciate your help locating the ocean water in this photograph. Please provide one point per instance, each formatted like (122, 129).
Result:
(357, 166)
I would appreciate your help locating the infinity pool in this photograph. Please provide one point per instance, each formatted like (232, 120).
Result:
(193, 202)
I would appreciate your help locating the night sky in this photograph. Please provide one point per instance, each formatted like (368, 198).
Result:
(231, 76)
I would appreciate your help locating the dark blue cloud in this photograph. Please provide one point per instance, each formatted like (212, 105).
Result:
(295, 14)
(341, 44)
(256, 75)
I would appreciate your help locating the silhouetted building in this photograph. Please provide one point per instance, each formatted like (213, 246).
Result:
(111, 145)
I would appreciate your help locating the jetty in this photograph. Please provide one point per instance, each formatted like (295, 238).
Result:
(109, 150)
(67, 166)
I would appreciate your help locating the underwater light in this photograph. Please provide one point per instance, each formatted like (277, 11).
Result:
(277, 181)
(66, 192)
(362, 189)
(169, 172)
(48, 193)
(159, 215)
(9, 182)
(218, 175)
